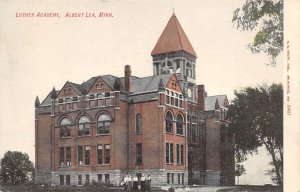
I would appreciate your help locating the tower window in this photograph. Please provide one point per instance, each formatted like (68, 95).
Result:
(179, 124)
(138, 124)
(169, 122)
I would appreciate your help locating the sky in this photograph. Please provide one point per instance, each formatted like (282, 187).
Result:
(37, 54)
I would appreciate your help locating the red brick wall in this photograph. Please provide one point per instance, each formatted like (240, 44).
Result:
(43, 143)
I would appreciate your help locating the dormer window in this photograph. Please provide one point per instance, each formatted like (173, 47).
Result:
(99, 85)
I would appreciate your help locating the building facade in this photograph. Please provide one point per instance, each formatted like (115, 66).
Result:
(163, 125)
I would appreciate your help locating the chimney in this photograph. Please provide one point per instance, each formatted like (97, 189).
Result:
(201, 97)
(128, 80)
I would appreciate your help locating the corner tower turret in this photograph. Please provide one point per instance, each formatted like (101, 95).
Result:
(173, 53)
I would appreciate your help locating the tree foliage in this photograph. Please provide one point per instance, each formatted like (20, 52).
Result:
(265, 17)
(256, 116)
(239, 171)
(16, 168)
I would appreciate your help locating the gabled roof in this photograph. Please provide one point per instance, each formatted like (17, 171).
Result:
(210, 102)
(148, 84)
(173, 38)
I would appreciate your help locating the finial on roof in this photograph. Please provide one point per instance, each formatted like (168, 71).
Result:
(173, 12)
(37, 101)
(117, 85)
(53, 93)
(161, 85)
(217, 105)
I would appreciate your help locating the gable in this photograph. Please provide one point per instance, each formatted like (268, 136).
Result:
(99, 86)
(173, 84)
(68, 90)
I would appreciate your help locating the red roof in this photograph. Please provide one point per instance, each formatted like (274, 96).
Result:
(172, 39)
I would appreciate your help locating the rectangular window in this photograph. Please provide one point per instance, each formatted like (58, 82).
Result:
(79, 155)
(107, 179)
(61, 179)
(193, 132)
(79, 180)
(182, 178)
(168, 99)
(87, 178)
(178, 178)
(99, 154)
(169, 152)
(61, 156)
(172, 178)
(179, 155)
(92, 104)
(87, 155)
(168, 178)
(68, 156)
(108, 102)
(68, 180)
(139, 152)
(107, 154)
(99, 177)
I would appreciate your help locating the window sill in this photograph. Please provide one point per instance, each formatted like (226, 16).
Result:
(69, 137)
(82, 136)
(180, 135)
(170, 133)
(104, 134)
(102, 165)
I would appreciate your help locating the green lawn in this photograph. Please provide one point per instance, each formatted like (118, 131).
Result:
(252, 188)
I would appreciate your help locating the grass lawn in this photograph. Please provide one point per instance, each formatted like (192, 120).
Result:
(252, 188)
(68, 189)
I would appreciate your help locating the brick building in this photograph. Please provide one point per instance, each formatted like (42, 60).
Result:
(163, 125)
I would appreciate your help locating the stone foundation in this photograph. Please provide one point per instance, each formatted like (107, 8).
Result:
(42, 178)
(158, 176)
(213, 177)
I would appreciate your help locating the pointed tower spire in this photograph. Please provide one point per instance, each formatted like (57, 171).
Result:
(37, 102)
(173, 38)
(117, 84)
(53, 93)
(161, 85)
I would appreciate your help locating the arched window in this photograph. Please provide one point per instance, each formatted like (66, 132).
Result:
(169, 122)
(179, 124)
(83, 126)
(138, 124)
(65, 128)
(103, 124)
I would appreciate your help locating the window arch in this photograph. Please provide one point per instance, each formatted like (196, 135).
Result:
(169, 122)
(83, 126)
(179, 124)
(65, 128)
(103, 124)
(138, 123)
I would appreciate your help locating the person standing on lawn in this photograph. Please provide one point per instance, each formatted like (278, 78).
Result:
(135, 183)
(148, 183)
(143, 179)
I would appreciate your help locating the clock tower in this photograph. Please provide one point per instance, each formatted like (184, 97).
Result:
(173, 53)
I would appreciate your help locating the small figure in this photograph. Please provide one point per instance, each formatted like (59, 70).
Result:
(135, 183)
(143, 179)
(129, 183)
(148, 183)
(125, 180)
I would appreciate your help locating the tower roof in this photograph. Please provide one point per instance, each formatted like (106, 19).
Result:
(173, 38)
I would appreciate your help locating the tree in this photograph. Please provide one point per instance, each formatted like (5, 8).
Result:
(16, 168)
(265, 17)
(239, 171)
(256, 116)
